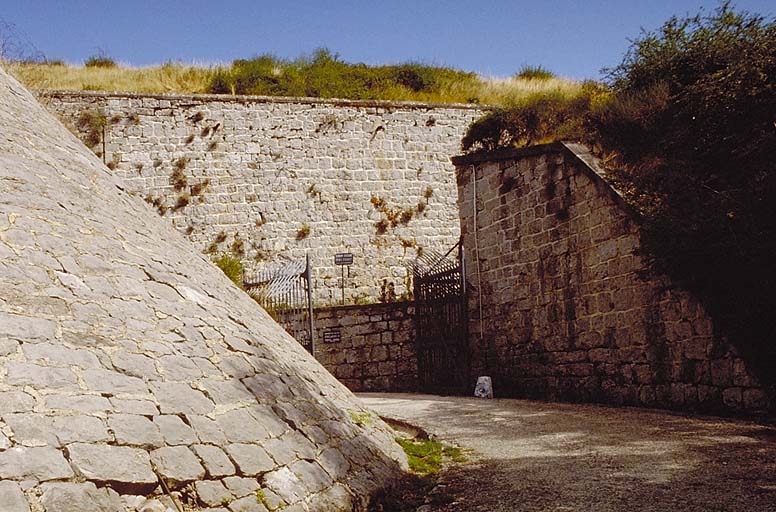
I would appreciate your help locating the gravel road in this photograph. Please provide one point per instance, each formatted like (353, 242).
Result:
(537, 456)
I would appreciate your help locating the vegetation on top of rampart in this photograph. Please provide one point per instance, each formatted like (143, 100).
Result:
(687, 131)
(323, 74)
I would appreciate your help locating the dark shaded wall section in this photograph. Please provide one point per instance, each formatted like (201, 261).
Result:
(569, 311)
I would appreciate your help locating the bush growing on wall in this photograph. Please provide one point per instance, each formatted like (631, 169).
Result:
(689, 133)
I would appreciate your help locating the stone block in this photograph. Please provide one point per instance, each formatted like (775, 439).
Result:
(84, 429)
(39, 464)
(178, 398)
(285, 484)
(85, 404)
(113, 383)
(215, 461)
(12, 498)
(251, 459)
(135, 430)
(174, 430)
(240, 486)
(240, 426)
(40, 377)
(79, 497)
(212, 493)
(755, 400)
(177, 465)
(732, 397)
(97, 462)
(247, 504)
(722, 372)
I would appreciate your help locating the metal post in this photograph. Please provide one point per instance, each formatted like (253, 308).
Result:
(343, 284)
(309, 272)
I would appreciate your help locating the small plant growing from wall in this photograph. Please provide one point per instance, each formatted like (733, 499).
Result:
(303, 232)
(182, 201)
(199, 188)
(133, 118)
(238, 246)
(232, 267)
(156, 202)
(178, 180)
(199, 116)
(189, 139)
(428, 192)
(212, 146)
(181, 163)
(93, 122)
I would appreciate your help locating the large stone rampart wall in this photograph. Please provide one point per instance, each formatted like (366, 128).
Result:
(568, 311)
(287, 176)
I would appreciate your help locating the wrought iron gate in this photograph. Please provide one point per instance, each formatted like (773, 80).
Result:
(441, 333)
(286, 293)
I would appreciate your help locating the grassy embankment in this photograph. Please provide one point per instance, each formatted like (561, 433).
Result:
(321, 75)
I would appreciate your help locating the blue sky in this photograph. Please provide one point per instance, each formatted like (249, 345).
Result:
(571, 38)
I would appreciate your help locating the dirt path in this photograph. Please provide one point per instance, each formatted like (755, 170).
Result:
(536, 456)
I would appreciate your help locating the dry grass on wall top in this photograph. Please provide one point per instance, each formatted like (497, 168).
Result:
(192, 79)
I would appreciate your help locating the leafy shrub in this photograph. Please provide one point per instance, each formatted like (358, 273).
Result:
(535, 73)
(324, 74)
(232, 267)
(541, 117)
(100, 60)
(687, 132)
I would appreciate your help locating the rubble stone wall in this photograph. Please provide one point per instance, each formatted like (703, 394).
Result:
(568, 311)
(368, 347)
(276, 178)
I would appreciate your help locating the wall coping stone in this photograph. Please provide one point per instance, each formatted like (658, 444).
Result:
(580, 152)
(238, 98)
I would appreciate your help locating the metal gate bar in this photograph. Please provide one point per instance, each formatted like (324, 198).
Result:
(286, 293)
(441, 321)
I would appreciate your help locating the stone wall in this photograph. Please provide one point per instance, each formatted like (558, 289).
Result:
(567, 311)
(134, 373)
(368, 347)
(279, 177)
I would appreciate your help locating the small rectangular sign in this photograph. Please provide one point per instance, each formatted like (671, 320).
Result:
(343, 258)
(332, 336)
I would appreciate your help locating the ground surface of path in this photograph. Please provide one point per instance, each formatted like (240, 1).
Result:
(531, 456)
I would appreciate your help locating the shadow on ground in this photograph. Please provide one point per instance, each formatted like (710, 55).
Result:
(534, 456)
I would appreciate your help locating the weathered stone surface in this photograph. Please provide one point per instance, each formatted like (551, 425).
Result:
(15, 401)
(216, 463)
(251, 460)
(38, 463)
(174, 431)
(247, 504)
(240, 426)
(104, 305)
(112, 383)
(290, 151)
(79, 497)
(40, 377)
(70, 429)
(98, 462)
(212, 493)
(12, 498)
(240, 486)
(285, 484)
(135, 430)
(77, 403)
(311, 474)
(177, 465)
(176, 398)
(568, 303)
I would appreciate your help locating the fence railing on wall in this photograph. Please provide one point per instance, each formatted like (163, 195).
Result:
(286, 292)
